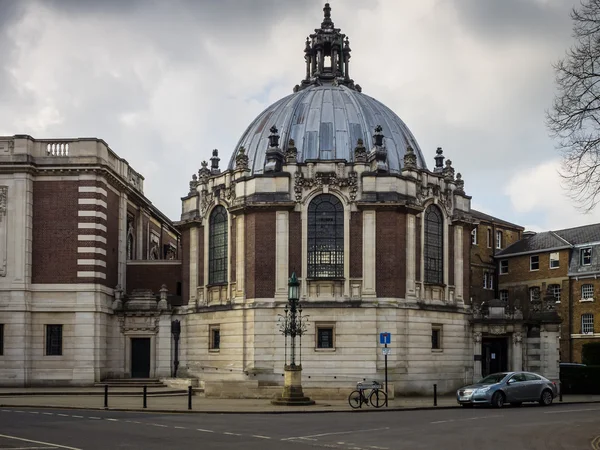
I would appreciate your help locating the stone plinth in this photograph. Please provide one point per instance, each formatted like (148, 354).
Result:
(292, 389)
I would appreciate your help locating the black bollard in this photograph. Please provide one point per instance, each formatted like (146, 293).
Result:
(560, 392)
(189, 397)
(145, 392)
(435, 395)
(106, 396)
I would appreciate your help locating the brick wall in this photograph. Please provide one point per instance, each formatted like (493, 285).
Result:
(578, 308)
(295, 247)
(152, 275)
(112, 240)
(390, 259)
(55, 232)
(356, 244)
(518, 268)
(264, 255)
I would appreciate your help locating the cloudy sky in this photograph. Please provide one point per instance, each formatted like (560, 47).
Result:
(165, 82)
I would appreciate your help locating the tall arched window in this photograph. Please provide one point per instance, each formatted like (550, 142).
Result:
(434, 245)
(326, 237)
(217, 247)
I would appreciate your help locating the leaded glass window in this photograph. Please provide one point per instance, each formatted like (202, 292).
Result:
(217, 255)
(434, 245)
(326, 237)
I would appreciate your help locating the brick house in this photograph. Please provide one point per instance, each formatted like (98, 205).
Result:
(555, 270)
(74, 227)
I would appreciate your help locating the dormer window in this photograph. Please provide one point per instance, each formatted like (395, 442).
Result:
(585, 256)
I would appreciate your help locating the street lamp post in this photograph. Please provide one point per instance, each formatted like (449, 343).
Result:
(293, 324)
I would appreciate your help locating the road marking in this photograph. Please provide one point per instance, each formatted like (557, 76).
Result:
(95, 418)
(231, 434)
(181, 428)
(63, 415)
(596, 443)
(378, 448)
(260, 437)
(33, 412)
(38, 442)
(571, 410)
(443, 421)
(48, 414)
(25, 448)
(334, 433)
(206, 431)
(113, 420)
(78, 417)
(468, 418)
(158, 425)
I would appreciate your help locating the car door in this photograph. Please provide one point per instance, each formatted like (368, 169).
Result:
(514, 388)
(532, 387)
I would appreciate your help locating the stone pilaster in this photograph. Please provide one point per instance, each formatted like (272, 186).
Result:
(240, 273)
(458, 264)
(194, 253)
(477, 356)
(122, 271)
(282, 274)
(411, 248)
(369, 254)
(517, 351)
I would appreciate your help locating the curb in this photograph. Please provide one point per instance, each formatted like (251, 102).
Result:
(270, 411)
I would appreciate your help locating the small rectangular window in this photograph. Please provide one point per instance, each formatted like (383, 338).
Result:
(554, 261)
(54, 343)
(436, 337)
(554, 290)
(491, 281)
(485, 280)
(489, 238)
(498, 239)
(585, 255)
(503, 266)
(325, 338)
(214, 338)
(587, 292)
(587, 323)
(1, 339)
(474, 236)
(534, 262)
(504, 296)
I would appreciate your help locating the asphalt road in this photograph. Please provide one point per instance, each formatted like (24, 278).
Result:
(556, 427)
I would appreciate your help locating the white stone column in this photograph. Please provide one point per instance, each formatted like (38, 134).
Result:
(458, 264)
(163, 347)
(517, 351)
(369, 254)
(282, 226)
(240, 256)
(122, 271)
(84, 351)
(549, 350)
(447, 231)
(477, 353)
(193, 282)
(411, 248)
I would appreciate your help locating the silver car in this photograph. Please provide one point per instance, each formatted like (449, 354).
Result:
(508, 387)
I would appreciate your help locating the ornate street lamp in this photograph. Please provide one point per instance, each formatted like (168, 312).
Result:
(293, 324)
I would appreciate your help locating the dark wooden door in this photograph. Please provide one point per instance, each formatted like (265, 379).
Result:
(140, 357)
(495, 355)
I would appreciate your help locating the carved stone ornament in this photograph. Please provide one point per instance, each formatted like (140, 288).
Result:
(447, 201)
(448, 171)
(230, 192)
(139, 322)
(497, 329)
(325, 179)
(203, 173)
(460, 184)
(206, 200)
(291, 154)
(193, 184)
(410, 159)
(360, 152)
(241, 160)
(517, 338)
(477, 337)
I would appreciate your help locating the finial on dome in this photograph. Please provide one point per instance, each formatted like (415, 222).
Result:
(439, 160)
(360, 152)
(291, 154)
(327, 23)
(410, 159)
(214, 162)
(274, 137)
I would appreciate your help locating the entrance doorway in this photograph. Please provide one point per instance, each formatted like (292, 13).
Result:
(494, 355)
(140, 357)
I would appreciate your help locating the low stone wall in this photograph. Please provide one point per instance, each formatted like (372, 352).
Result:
(253, 389)
(180, 383)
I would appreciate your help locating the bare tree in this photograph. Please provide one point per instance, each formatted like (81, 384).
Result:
(574, 119)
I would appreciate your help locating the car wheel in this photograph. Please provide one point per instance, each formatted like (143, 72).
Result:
(498, 400)
(517, 404)
(546, 398)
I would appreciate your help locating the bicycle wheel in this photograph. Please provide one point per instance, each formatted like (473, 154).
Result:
(355, 399)
(378, 398)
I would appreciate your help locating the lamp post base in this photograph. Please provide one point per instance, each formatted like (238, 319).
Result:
(292, 389)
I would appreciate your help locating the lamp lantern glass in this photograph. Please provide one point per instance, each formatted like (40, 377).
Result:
(293, 288)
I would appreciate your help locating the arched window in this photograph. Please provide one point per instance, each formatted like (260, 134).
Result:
(434, 245)
(217, 250)
(326, 237)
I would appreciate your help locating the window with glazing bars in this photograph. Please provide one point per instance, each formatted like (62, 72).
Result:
(54, 340)
(587, 323)
(434, 246)
(326, 237)
(554, 291)
(217, 255)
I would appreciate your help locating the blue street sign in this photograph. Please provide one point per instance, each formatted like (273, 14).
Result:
(385, 338)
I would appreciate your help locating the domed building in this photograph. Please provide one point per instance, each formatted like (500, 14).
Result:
(331, 185)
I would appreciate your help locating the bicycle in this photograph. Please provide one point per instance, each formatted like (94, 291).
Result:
(376, 397)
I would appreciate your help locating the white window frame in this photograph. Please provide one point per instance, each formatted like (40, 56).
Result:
(555, 290)
(587, 292)
(503, 269)
(498, 240)
(440, 329)
(213, 346)
(325, 326)
(504, 296)
(554, 258)
(489, 238)
(474, 236)
(583, 257)
(533, 289)
(491, 281)
(531, 269)
(587, 323)
(485, 280)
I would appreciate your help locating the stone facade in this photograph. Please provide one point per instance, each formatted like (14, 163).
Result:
(63, 230)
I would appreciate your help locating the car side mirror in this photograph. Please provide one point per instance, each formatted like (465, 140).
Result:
(509, 382)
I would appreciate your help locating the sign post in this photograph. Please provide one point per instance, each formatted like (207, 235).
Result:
(385, 338)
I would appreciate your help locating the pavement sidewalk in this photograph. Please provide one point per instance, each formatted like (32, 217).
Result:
(179, 404)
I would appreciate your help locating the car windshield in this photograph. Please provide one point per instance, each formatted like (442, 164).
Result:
(493, 378)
